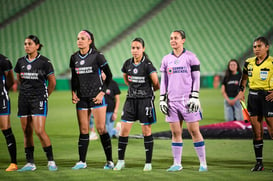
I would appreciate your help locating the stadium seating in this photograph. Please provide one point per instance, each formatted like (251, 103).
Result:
(216, 30)
(57, 23)
(11, 7)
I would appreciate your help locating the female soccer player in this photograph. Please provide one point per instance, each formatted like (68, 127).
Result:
(258, 70)
(33, 72)
(112, 100)
(230, 91)
(141, 77)
(6, 82)
(180, 101)
(88, 92)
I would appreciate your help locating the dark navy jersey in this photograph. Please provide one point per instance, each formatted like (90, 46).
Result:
(33, 75)
(111, 91)
(5, 65)
(140, 84)
(86, 73)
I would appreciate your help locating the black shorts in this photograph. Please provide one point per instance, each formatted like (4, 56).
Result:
(257, 105)
(32, 106)
(4, 106)
(139, 109)
(87, 103)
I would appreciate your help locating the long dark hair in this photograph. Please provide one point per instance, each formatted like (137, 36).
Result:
(264, 40)
(36, 41)
(228, 72)
(141, 41)
(92, 45)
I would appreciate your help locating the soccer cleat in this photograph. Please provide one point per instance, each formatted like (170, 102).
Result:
(12, 167)
(118, 128)
(175, 168)
(203, 169)
(109, 165)
(52, 166)
(147, 167)
(79, 165)
(28, 167)
(258, 167)
(120, 165)
(93, 136)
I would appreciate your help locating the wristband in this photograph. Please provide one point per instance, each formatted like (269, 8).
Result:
(242, 88)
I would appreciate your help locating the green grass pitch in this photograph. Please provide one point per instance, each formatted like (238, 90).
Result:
(227, 159)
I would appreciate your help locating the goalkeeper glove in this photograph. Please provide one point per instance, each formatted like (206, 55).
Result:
(163, 104)
(194, 103)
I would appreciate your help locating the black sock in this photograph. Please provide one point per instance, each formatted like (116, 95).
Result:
(29, 154)
(49, 153)
(122, 144)
(83, 146)
(11, 143)
(149, 145)
(258, 148)
(107, 146)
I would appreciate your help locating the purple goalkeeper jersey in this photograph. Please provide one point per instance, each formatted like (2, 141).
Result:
(179, 75)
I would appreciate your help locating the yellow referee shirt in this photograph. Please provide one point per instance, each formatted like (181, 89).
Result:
(260, 76)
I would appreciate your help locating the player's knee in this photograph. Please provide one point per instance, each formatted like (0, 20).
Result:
(195, 134)
(101, 130)
(40, 133)
(176, 134)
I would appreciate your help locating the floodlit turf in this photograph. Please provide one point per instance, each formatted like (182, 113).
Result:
(227, 159)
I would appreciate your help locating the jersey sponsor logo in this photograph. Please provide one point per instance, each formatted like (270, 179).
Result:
(84, 70)
(270, 114)
(249, 70)
(234, 82)
(173, 70)
(27, 75)
(136, 79)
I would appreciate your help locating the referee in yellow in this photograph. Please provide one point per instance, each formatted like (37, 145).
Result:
(258, 70)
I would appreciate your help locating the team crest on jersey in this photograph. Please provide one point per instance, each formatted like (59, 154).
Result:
(28, 67)
(82, 62)
(108, 91)
(135, 70)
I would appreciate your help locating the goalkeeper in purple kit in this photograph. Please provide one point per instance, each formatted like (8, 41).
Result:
(179, 98)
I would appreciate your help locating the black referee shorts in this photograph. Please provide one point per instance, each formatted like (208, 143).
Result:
(139, 109)
(257, 105)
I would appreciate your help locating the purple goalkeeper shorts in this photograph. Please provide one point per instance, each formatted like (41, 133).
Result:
(178, 111)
